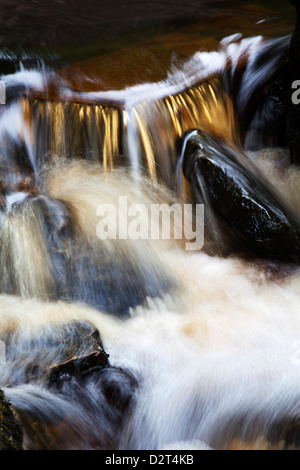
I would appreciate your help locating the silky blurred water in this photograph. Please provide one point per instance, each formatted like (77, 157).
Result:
(203, 349)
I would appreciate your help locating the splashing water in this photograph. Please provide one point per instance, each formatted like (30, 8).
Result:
(203, 349)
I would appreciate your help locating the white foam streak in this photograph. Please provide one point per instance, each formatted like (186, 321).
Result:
(29, 78)
(202, 65)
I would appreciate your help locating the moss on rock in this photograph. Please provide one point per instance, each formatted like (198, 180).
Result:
(11, 433)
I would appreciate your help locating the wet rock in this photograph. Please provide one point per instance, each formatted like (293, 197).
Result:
(79, 415)
(112, 284)
(83, 350)
(292, 434)
(118, 387)
(91, 274)
(285, 432)
(12, 61)
(74, 268)
(91, 367)
(78, 366)
(249, 218)
(16, 172)
(58, 234)
(293, 109)
(11, 433)
(254, 83)
(71, 397)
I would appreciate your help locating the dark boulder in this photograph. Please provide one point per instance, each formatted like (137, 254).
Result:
(11, 433)
(268, 127)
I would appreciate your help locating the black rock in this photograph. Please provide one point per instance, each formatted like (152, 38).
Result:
(11, 433)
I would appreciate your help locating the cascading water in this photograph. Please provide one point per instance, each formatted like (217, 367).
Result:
(203, 349)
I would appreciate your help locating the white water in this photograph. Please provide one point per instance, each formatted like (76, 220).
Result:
(224, 368)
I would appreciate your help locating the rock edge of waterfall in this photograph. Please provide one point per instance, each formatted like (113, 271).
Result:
(11, 433)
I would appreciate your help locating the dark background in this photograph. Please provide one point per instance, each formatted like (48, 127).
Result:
(133, 40)
(52, 23)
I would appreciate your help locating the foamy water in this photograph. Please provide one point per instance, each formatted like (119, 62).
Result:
(224, 366)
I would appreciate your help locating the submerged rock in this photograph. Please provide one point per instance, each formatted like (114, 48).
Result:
(256, 83)
(73, 350)
(11, 433)
(248, 215)
(57, 261)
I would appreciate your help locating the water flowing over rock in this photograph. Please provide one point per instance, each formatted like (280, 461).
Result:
(115, 339)
(48, 237)
(75, 367)
(117, 133)
(240, 202)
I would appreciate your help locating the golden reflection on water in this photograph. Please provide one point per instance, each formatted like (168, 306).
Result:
(99, 131)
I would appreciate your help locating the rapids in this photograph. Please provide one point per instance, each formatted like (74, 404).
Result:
(204, 349)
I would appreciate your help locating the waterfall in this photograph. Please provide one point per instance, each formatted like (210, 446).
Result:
(127, 343)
